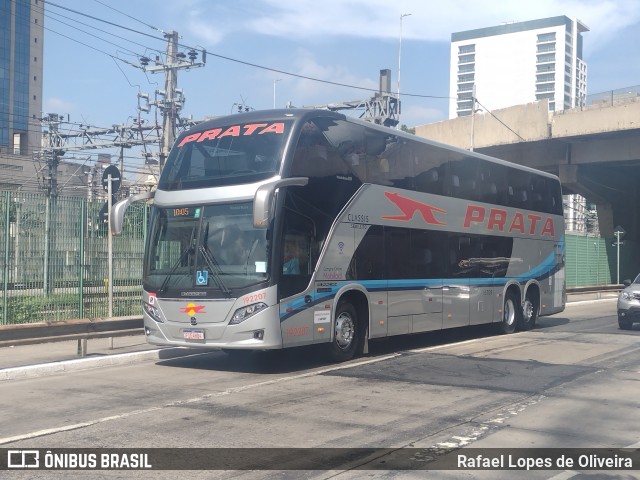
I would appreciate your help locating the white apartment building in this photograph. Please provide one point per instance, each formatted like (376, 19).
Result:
(517, 63)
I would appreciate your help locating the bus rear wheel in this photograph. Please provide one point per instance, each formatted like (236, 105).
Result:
(346, 333)
(511, 313)
(529, 313)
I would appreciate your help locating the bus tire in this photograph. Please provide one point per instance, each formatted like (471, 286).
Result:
(511, 313)
(529, 312)
(347, 335)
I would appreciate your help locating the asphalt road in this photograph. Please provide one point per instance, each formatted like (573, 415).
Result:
(573, 382)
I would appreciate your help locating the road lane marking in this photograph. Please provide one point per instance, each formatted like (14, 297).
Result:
(229, 391)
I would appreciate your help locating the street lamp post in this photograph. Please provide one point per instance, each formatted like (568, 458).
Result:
(274, 91)
(399, 57)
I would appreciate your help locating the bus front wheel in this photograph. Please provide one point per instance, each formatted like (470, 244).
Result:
(511, 313)
(346, 333)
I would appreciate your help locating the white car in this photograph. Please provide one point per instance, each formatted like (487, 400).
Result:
(629, 304)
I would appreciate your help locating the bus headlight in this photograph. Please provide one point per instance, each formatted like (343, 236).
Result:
(243, 313)
(152, 311)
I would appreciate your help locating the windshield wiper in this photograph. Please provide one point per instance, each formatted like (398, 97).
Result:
(167, 279)
(213, 264)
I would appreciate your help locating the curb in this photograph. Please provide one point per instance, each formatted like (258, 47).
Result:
(34, 371)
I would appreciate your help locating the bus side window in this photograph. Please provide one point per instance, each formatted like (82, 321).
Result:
(428, 182)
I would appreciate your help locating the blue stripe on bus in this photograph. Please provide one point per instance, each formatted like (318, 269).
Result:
(541, 272)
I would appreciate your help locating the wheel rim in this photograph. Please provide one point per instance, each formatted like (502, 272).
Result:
(509, 312)
(528, 310)
(345, 330)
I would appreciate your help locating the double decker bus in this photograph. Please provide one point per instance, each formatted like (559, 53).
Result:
(283, 228)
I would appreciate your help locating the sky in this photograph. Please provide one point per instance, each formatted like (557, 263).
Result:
(91, 74)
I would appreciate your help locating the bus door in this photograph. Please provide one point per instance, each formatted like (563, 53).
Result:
(294, 290)
(456, 285)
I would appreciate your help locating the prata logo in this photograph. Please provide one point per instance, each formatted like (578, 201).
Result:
(23, 459)
(409, 207)
(192, 309)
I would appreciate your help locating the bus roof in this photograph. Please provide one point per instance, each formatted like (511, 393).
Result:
(300, 115)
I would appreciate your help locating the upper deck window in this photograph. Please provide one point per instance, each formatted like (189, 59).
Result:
(226, 155)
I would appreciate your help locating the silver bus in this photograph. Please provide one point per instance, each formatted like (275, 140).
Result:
(283, 228)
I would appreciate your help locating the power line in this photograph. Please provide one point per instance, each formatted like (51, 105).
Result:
(104, 21)
(504, 124)
(129, 16)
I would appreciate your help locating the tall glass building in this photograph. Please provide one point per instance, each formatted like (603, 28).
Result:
(21, 50)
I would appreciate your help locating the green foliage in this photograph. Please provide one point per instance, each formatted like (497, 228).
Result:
(411, 130)
(31, 309)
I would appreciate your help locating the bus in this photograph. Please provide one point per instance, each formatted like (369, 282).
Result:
(292, 227)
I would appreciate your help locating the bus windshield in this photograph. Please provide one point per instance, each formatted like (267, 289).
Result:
(230, 155)
(210, 247)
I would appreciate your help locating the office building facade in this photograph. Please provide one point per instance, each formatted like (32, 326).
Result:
(21, 70)
(518, 63)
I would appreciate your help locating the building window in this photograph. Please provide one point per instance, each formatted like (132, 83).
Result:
(548, 47)
(466, 58)
(547, 37)
(547, 87)
(546, 77)
(547, 57)
(470, 77)
(549, 67)
(467, 68)
(466, 49)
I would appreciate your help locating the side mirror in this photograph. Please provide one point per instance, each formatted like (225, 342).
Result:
(119, 209)
(263, 199)
(626, 283)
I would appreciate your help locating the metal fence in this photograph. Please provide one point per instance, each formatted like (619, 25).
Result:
(614, 97)
(594, 261)
(54, 259)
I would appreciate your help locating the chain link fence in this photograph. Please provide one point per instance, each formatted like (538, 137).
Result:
(54, 259)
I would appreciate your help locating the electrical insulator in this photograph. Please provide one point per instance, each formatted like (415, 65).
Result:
(193, 55)
(144, 61)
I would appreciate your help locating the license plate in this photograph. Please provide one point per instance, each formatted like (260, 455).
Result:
(193, 334)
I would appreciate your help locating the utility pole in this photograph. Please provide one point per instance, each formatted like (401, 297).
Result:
(170, 110)
(473, 114)
(51, 185)
(173, 100)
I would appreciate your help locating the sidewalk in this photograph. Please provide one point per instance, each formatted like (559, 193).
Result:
(33, 360)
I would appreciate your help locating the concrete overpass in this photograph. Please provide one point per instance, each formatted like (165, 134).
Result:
(595, 151)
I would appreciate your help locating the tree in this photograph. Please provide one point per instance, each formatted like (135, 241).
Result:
(404, 128)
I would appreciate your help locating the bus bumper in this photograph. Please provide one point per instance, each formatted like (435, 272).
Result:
(259, 332)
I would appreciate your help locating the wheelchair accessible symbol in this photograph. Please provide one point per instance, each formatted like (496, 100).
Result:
(202, 277)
